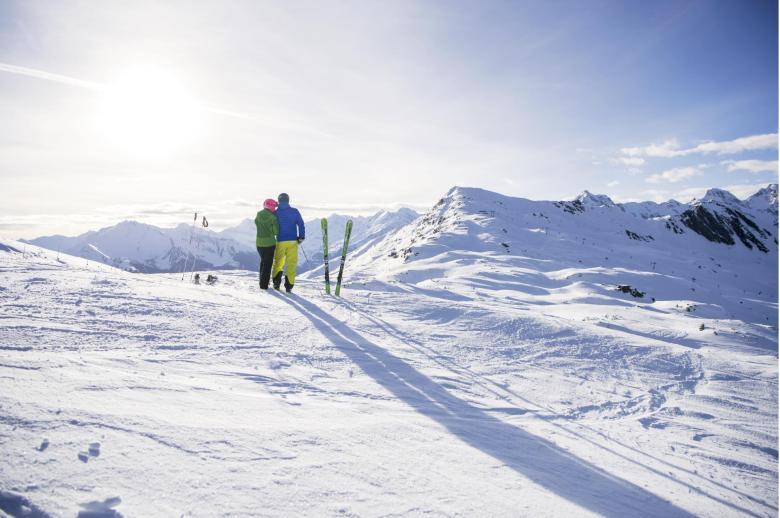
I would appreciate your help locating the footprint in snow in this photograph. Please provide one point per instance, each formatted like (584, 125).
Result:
(92, 451)
(12, 504)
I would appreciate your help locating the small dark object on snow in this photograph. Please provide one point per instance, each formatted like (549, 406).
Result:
(625, 288)
(701, 327)
(210, 279)
(637, 237)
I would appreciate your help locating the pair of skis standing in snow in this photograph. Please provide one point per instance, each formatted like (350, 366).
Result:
(280, 229)
(347, 234)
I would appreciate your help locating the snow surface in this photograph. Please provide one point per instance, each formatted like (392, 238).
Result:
(480, 363)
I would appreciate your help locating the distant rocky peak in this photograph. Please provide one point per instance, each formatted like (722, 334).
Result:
(765, 200)
(720, 196)
(386, 216)
(770, 190)
(454, 192)
(766, 195)
(588, 199)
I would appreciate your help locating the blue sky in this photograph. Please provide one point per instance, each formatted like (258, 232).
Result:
(149, 110)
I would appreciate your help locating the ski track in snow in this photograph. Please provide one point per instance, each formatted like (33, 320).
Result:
(130, 395)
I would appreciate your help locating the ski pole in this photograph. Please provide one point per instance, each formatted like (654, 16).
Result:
(304, 253)
(189, 247)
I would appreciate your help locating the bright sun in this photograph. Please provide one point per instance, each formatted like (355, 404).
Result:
(147, 112)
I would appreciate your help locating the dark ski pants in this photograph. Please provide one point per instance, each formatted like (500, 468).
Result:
(266, 263)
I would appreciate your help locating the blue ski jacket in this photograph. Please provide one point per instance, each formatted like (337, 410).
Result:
(290, 223)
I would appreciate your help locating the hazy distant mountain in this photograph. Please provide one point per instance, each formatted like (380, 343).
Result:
(146, 248)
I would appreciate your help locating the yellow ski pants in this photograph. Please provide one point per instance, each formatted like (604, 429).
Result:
(286, 253)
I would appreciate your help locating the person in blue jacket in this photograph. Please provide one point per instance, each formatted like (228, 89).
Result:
(292, 232)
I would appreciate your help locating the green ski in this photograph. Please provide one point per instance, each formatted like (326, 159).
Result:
(347, 233)
(324, 224)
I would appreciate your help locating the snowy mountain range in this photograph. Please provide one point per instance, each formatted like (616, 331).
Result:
(590, 231)
(717, 255)
(141, 247)
(146, 248)
(465, 220)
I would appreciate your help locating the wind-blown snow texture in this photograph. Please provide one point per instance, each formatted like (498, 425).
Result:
(482, 362)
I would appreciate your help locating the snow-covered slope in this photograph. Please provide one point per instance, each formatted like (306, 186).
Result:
(480, 363)
(146, 248)
(717, 255)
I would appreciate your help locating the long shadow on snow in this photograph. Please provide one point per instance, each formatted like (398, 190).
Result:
(538, 459)
(486, 383)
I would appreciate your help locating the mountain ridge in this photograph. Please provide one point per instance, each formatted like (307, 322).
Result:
(718, 217)
(146, 248)
(585, 249)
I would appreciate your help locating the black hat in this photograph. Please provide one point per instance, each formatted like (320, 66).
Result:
(284, 198)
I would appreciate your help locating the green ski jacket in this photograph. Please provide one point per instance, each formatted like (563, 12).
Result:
(267, 228)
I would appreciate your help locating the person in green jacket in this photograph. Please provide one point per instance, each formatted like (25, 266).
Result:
(267, 230)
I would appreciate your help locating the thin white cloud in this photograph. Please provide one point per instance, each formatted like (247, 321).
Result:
(613, 183)
(673, 175)
(666, 149)
(752, 166)
(91, 85)
(671, 148)
(730, 147)
(48, 76)
(631, 161)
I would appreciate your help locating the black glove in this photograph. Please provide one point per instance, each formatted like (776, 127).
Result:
(300, 239)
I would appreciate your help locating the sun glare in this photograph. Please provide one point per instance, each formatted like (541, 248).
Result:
(148, 112)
